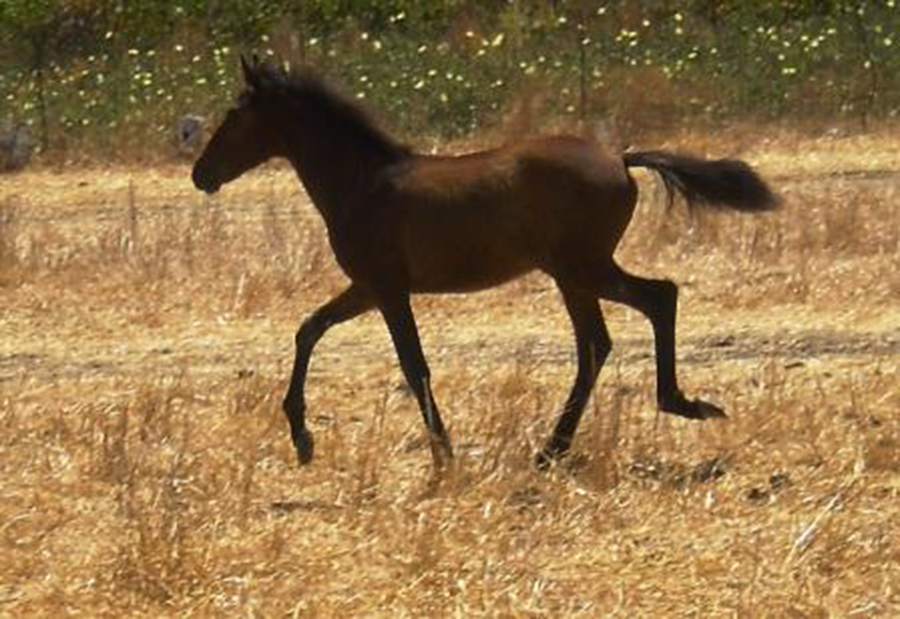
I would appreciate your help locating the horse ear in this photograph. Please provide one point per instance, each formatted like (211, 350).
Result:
(250, 74)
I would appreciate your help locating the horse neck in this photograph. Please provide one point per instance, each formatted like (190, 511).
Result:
(337, 167)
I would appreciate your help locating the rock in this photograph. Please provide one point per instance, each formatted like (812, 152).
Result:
(16, 147)
(190, 134)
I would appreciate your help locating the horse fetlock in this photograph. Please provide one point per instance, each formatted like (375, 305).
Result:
(304, 444)
(441, 451)
(556, 449)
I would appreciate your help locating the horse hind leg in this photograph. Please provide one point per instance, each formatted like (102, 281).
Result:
(593, 346)
(658, 301)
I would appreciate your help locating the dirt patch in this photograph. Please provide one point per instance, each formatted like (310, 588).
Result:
(228, 355)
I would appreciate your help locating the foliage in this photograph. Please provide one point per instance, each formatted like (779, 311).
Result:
(446, 68)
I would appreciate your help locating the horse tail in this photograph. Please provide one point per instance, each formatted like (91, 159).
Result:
(718, 184)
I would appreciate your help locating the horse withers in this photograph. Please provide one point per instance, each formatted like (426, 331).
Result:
(401, 223)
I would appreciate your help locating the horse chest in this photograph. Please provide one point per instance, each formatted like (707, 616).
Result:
(353, 252)
(365, 246)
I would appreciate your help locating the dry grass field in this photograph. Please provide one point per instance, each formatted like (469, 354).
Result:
(146, 336)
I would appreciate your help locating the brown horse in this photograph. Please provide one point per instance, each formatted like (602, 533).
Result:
(402, 223)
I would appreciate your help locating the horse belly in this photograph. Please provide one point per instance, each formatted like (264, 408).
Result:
(465, 258)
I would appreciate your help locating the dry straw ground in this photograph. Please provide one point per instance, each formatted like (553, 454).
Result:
(145, 468)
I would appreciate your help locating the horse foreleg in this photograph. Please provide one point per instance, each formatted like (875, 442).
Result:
(347, 305)
(398, 315)
(658, 301)
(593, 345)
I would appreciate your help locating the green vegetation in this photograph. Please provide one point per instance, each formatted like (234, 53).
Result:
(98, 75)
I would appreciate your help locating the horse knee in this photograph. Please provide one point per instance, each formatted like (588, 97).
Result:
(589, 364)
(417, 375)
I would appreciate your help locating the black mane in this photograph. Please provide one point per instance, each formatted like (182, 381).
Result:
(316, 97)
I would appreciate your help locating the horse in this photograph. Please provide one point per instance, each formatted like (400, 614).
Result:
(402, 223)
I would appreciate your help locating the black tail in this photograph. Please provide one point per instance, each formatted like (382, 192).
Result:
(722, 183)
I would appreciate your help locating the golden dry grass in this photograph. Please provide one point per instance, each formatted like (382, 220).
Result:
(145, 343)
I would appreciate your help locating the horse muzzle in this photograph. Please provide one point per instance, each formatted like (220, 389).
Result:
(204, 182)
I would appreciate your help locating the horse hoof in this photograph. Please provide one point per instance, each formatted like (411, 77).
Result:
(303, 442)
(693, 409)
(544, 459)
(706, 410)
